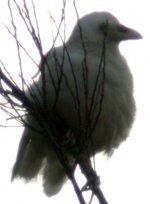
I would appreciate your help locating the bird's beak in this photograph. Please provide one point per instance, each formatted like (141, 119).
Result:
(122, 32)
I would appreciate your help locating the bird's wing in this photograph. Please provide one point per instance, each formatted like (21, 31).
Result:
(30, 153)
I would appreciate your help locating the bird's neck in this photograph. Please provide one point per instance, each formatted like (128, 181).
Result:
(96, 48)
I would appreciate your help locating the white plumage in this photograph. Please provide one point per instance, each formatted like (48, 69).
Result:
(95, 99)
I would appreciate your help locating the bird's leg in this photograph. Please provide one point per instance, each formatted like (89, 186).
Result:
(93, 181)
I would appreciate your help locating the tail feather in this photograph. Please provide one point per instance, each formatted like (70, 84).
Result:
(54, 177)
(35, 155)
(30, 155)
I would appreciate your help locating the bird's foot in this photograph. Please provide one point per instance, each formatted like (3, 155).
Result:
(91, 184)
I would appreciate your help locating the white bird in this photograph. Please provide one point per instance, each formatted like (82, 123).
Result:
(87, 89)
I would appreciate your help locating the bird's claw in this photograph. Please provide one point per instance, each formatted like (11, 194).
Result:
(91, 184)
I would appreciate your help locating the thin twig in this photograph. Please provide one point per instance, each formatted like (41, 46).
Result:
(9, 75)
(36, 20)
(17, 44)
(15, 90)
(21, 46)
(85, 76)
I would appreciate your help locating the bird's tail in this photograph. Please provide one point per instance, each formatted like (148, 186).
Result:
(30, 155)
(35, 155)
(54, 176)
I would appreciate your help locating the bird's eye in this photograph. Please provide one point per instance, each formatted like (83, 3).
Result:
(104, 28)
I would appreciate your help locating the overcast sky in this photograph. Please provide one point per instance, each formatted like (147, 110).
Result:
(125, 176)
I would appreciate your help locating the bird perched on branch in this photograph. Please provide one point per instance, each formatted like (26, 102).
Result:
(83, 102)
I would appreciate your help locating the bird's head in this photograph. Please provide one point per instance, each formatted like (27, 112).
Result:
(96, 26)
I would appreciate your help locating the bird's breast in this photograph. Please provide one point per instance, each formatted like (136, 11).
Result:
(95, 96)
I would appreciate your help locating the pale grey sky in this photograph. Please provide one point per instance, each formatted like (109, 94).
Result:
(125, 176)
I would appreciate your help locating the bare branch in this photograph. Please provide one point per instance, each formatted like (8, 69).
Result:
(36, 20)
(21, 46)
(17, 44)
(20, 104)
